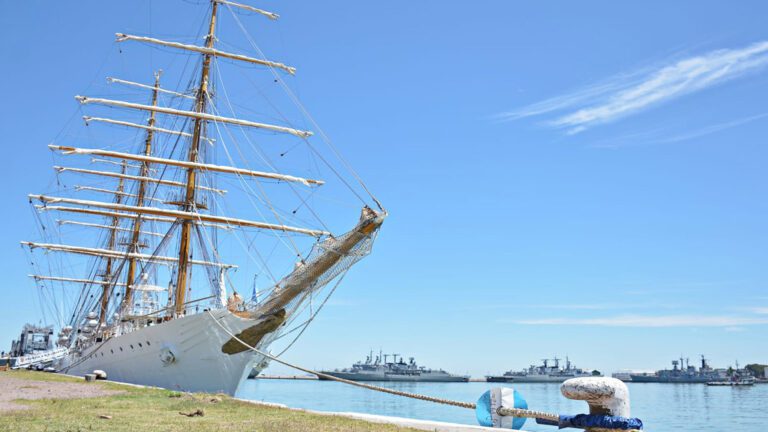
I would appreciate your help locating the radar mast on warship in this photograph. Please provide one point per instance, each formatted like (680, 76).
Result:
(549, 371)
(379, 369)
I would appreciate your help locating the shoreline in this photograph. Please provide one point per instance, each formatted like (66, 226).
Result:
(40, 401)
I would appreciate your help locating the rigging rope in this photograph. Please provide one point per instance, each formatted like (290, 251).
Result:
(257, 149)
(312, 314)
(245, 184)
(306, 113)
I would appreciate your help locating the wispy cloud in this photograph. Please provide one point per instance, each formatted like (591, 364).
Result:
(651, 321)
(654, 137)
(654, 288)
(712, 129)
(568, 306)
(631, 93)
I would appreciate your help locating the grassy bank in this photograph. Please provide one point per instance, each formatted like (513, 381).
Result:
(141, 409)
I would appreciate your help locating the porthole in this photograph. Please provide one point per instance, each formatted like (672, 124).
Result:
(112, 351)
(121, 348)
(131, 346)
(140, 345)
(148, 344)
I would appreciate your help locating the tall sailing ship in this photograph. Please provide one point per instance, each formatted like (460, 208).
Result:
(155, 300)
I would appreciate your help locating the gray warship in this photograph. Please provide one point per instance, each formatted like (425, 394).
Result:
(379, 369)
(682, 372)
(33, 350)
(545, 373)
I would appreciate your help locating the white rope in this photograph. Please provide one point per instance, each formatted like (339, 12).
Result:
(306, 113)
(265, 159)
(242, 180)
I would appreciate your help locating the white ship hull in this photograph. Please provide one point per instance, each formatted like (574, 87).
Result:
(197, 363)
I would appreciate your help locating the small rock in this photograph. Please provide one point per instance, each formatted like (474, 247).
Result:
(105, 417)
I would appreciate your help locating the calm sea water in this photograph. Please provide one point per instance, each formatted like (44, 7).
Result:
(662, 407)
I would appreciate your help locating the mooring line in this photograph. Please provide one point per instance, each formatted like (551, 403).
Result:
(502, 411)
(514, 412)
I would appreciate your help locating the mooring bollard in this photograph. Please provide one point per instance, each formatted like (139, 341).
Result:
(605, 396)
(608, 400)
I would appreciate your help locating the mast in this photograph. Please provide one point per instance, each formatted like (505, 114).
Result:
(189, 202)
(134, 245)
(111, 246)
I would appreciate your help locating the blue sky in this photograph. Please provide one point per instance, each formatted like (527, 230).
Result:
(583, 180)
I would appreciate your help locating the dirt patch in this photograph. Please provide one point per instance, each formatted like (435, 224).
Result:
(12, 389)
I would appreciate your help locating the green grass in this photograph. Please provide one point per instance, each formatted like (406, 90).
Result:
(141, 409)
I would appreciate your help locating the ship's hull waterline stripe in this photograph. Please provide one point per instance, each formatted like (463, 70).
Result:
(121, 37)
(184, 164)
(107, 253)
(191, 216)
(193, 114)
(133, 177)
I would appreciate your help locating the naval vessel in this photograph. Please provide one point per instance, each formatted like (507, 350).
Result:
(682, 372)
(549, 371)
(379, 369)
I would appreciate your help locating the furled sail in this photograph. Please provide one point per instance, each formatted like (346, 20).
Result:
(192, 216)
(107, 253)
(185, 164)
(195, 115)
(205, 50)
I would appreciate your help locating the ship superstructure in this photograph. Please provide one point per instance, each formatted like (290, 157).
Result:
(34, 349)
(549, 371)
(147, 291)
(682, 372)
(735, 377)
(378, 368)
